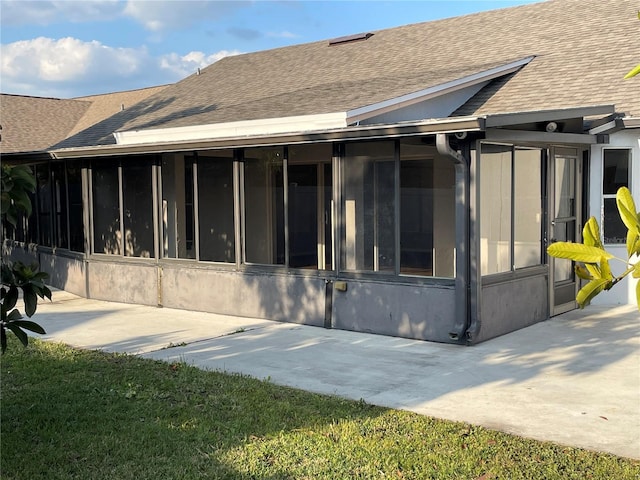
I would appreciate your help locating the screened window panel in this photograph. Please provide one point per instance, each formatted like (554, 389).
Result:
(303, 216)
(76, 222)
(369, 207)
(59, 183)
(264, 206)
(495, 208)
(178, 224)
(565, 187)
(215, 209)
(309, 205)
(137, 195)
(107, 236)
(44, 207)
(427, 211)
(527, 208)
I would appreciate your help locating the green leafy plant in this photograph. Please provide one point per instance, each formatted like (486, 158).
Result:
(592, 260)
(17, 182)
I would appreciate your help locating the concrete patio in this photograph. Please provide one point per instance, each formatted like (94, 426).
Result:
(573, 380)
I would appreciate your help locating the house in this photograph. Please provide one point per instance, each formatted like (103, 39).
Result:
(404, 182)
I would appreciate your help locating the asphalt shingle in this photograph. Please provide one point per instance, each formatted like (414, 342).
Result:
(582, 49)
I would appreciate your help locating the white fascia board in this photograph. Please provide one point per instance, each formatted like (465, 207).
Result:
(246, 128)
(616, 124)
(362, 113)
(631, 122)
(605, 128)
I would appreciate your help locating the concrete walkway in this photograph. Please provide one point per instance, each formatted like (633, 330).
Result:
(573, 380)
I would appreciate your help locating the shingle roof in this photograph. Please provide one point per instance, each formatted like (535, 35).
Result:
(582, 49)
(103, 106)
(31, 124)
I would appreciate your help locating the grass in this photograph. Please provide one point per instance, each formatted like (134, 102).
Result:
(71, 414)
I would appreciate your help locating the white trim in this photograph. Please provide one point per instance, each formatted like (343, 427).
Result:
(307, 123)
(266, 126)
(363, 113)
(606, 127)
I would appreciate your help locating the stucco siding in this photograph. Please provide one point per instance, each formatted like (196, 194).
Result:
(424, 312)
(123, 282)
(281, 297)
(511, 305)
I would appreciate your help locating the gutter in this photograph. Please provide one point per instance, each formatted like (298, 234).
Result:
(615, 125)
(461, 282)
(395, 130)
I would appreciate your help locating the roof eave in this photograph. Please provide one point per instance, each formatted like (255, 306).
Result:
(363, 113)
(519, 118)
(395, 130)
(615, 125)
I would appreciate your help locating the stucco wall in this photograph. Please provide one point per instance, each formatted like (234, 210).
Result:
(511, 305)
(282, 297)
(123, 282)
(425, 312)
(65, 273)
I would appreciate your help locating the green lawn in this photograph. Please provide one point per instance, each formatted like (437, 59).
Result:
(70, 414)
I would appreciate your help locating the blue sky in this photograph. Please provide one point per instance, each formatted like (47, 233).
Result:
(72, 48)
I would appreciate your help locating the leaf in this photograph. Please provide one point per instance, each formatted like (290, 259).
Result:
(627, 209)
(11, 298)
(18, 332)
(636, 270)
(583, 273)
(30, 301)
(31, 326)
(633, 242)
(578, 252)
(593, 269)
(633, 72)
(605, 270)
(638, 294)
(591, 233)
(22, 201)
(14, 315)
(590, 290)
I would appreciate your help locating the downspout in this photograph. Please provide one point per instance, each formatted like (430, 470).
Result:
(462, 236)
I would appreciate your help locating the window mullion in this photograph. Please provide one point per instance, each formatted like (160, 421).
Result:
(68, 209)
(121, 211)
(196, 206)
(397, 211)
(512, 247)
(237, 206)
(285, 199)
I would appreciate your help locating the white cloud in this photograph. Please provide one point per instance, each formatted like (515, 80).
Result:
(182, 66)
(283, 34)
(69, 67)
(156, 16)
(20, 12)
(163, 15)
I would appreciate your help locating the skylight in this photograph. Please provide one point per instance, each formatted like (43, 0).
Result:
(350, 38)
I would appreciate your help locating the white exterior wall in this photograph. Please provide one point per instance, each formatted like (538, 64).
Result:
(625, 291)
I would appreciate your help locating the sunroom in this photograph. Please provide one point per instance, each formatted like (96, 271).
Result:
(432, 230)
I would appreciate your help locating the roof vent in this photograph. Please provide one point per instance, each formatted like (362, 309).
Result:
(350, 38)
